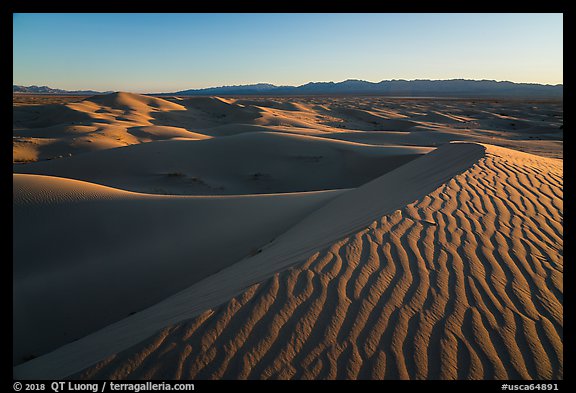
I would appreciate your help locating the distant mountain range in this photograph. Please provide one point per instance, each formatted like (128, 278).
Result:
(401, 88)
(49, 90)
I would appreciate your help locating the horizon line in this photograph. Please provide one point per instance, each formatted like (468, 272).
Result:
(300, 85)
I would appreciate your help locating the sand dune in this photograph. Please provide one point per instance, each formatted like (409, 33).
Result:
(313, 238)
(351, 211)
(129, 102)
(249, 163)
(45, 132)
(374, 121)
(465, 283)
(72, 237)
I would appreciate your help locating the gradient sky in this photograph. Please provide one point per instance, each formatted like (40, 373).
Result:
(169, 52)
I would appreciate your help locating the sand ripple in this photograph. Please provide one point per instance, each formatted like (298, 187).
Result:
(465, 283)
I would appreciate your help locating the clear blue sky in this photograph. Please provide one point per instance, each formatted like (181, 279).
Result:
(169, 52)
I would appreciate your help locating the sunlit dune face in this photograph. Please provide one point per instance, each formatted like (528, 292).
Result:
(122, 119)
(288, 238)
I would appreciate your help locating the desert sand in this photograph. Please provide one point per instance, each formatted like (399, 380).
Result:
(288, 238)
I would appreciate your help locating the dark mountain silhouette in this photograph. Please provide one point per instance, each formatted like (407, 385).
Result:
(404, 88)
(399, 88)
(48, 90)
(232, 90)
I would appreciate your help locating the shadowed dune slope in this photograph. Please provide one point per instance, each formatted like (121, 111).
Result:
(87, 255)
(417, 258)
(47, 132)
(345, 214)
(250, 163)
(130, 102)
(465, 283)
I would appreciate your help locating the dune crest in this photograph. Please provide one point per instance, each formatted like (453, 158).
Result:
(348, 212)
(465, 283)
(287, 238)
(249, 163)
(46, 132)
(140, 248)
